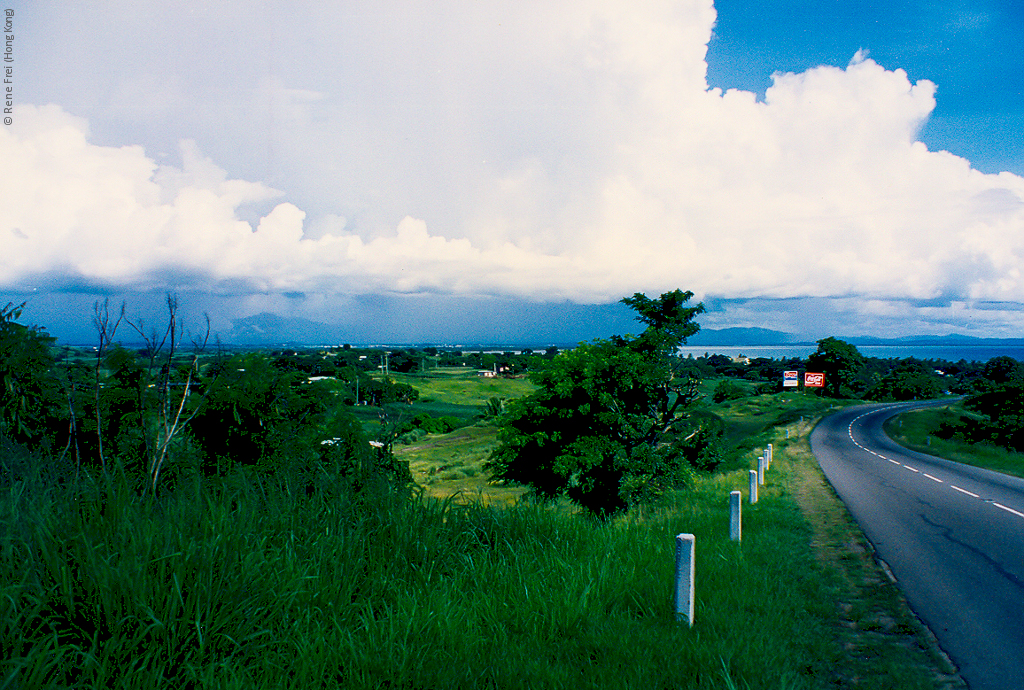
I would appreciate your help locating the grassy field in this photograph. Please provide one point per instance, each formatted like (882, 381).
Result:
(916, 430)
(250, 585)
(453, 392)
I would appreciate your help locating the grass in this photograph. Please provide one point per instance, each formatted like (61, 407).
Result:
(444, 392)
(247, 584)
(753, 422)
(915, 429)
(453, 464)
(456, 386)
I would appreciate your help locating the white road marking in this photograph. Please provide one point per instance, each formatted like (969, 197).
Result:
(954, 487)
(1008, 510)
(917, 471)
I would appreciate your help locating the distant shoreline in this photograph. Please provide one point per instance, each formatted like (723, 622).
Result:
(951, 352)
(980, 351)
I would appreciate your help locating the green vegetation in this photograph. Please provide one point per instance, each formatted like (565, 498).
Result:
(839, 361)
(173, 518)
(986, 428)
(607, 427)
(244, 582)
(928, 431)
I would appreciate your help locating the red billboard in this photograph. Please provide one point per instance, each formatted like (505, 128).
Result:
(812, 380)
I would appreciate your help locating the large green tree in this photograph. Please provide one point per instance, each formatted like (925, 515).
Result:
(607, 426)
(840, 362)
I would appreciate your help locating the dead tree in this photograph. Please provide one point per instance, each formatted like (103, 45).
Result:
(106, 330)
(170, 409)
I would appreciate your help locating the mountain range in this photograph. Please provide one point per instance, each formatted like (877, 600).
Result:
(271, 329)
(733, 337)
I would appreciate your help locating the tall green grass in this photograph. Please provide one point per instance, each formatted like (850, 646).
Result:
(242, 583)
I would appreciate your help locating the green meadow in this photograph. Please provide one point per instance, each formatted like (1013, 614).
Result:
(251, 583)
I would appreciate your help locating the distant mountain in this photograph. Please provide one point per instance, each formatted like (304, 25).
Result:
(268, 329)
(272, 329)
(727, 337)
(950, 339)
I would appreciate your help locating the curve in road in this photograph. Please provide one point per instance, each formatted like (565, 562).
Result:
(951, 535)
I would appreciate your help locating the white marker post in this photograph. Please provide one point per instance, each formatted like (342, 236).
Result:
(685, 545)
(753, 487)
(760, 470)
(771, 455)
(736, 516)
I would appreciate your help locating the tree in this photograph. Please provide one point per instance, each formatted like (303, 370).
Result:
(29, 393)
(105, 331)
(607, 424)
(840, 362)
(168, 411)
(909, 380)
(1000, 397)
(247, 401)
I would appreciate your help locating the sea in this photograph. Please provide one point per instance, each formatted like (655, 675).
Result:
(947, 352)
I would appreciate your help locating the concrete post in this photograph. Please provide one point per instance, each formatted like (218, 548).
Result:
(753, 487)
(760, 470)
(735, 516)
(685, 545)
(771, 455)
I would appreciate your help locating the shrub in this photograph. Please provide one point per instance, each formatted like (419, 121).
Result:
(727, 389)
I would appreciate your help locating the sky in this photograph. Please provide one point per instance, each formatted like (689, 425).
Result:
(492, 171)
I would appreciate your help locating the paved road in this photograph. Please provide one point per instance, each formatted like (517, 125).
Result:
(952, 535)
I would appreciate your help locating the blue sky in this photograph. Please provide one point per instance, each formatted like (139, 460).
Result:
(971, 50)
(505, 171)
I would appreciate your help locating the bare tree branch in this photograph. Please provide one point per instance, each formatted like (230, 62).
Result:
(106, 330)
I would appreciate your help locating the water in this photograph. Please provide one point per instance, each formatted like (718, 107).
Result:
(951, 353)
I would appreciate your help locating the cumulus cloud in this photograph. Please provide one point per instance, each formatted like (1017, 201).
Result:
(586, 158)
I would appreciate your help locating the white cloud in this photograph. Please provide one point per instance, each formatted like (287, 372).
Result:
(555, 151)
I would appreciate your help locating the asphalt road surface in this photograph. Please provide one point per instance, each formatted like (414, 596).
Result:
(952, 536)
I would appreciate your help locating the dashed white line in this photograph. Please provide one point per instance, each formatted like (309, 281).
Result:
(1008, 510)
(954, 487)
(917, 471)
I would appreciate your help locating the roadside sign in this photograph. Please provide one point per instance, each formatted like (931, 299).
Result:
(790, 378)
(812, 380)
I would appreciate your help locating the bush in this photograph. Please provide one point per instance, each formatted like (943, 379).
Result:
(727, 389)
(433, 425)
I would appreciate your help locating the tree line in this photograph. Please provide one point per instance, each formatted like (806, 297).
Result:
(179, 406)
(614, 422)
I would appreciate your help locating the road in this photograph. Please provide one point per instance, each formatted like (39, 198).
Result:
(952, 535)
